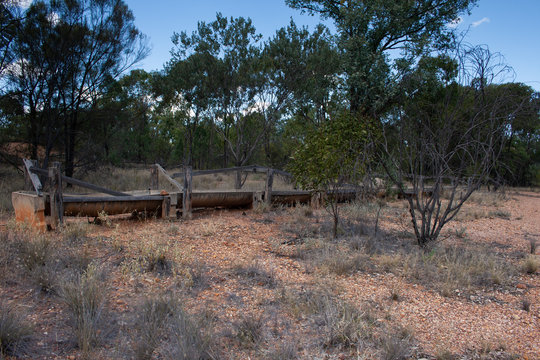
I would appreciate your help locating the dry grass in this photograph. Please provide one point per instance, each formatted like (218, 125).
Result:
(249, 331)
(339, 323)
(453, 270)
(85, 297)
(15, 331)
(530, 264)
(165, 330)
(10, 180)
(254, 274)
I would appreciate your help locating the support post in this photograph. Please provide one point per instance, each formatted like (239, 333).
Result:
(268, 186)
(28, 184)
(316, 200)
(166, 207)
(186, 198)
(154, 178)
(55, 194)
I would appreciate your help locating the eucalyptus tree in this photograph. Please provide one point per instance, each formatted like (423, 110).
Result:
(66, 53)
(225, 55)
(374, 35)
(10, 19)
(303, 79)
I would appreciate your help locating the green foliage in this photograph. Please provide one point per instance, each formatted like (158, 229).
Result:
(368, 30)
(333, 154)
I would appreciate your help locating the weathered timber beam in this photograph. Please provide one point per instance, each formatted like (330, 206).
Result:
(168, 177)
(83, 198)
(250, 168)
(80, 183)
(34, 179)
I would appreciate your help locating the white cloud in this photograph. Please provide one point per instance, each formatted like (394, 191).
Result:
(480, 22)
(455, 23)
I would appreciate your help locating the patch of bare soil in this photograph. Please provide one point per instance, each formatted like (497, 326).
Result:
(275, 286)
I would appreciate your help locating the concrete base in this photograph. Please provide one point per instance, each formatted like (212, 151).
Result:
(29, 209)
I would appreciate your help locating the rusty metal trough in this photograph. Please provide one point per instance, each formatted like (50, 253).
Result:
(44, 210)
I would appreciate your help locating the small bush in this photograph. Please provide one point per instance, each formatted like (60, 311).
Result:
(249, 331)
(85, 296)
(14, 331)
(531, 264)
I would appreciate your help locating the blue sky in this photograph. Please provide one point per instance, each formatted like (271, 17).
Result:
(509, 27)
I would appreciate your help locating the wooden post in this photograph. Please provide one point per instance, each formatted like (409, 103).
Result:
(28, 184)
(55, 195)
(186, 198)
(268, 186)
(33, 178)
(166, 207)
(154, 178)
(316, 200)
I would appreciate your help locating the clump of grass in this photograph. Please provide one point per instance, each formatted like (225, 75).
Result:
(525, 305)
(343, 324)
(165, 330)
(152, 257)
(340, 263)
(15, 331)
(75, 232)
(255, 274)
(340, 323)
(530, 264)
(85, 297)
(207, 228)
(397, 347)
(395, 295)
(450, 268)
(173, 230)
(499, 214)
(188, 337)
(286, 350)
(487, 198)
(35, 252)
(38, 260)
(153, 316)
(262, 207)
(249, 331)
(443, 354)
(461, 232)
(532, 246)
(467, 214)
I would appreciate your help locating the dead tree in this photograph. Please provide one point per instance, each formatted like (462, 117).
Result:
(447, 139)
